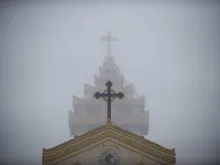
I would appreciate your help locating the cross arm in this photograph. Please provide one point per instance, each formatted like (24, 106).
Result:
(119, 95)
(109, 38)
(97, 95)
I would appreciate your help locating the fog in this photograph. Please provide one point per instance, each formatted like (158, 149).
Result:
(170, 51)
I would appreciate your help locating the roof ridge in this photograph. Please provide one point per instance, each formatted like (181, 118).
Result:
(75, 139)
(110, 125)
(152, 144)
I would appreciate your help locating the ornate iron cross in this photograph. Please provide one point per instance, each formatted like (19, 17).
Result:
(109, 95)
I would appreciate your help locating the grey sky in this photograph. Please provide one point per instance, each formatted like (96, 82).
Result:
(170, 51)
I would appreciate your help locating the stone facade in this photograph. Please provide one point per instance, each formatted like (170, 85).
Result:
(123, 155)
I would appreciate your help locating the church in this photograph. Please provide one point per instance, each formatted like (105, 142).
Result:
(108, 139)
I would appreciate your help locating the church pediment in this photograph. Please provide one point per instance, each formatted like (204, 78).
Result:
(108, 134)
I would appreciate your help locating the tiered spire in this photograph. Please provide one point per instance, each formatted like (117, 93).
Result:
(128, 113)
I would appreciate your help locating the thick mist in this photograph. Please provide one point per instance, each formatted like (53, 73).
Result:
(170, 51)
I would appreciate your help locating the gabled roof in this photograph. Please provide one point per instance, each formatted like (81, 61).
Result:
(79, 143)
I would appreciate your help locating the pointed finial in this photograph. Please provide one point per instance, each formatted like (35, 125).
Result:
(109, 123)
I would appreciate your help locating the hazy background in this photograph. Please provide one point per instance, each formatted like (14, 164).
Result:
(170, 51)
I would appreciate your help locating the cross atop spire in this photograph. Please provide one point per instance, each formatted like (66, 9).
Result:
(109, 39)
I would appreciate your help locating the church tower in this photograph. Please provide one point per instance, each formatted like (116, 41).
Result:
(128, 113)
(112, 142)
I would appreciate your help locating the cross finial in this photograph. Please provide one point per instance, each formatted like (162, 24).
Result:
(109, 95)
(109, 39)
